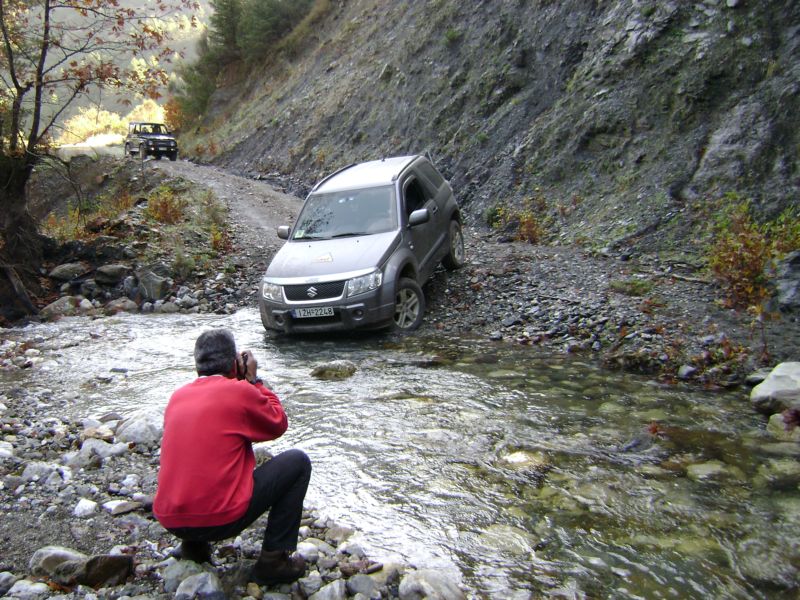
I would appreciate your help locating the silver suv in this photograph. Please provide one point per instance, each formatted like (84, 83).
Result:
(366, 240)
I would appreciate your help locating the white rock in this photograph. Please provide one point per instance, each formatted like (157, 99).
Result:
(6, 450)
(28, 590)
(779, 391)
(84, 508)
(145, 429)
(429, 584)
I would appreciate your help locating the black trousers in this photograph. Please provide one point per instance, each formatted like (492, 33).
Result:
(280, 486)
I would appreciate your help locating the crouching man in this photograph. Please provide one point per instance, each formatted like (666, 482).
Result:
(208, 486)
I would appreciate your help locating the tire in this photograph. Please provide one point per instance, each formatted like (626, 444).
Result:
(173, 156)
(142, 155)
(158, 156)
(128, 153)
(409, 306)
(455, 257)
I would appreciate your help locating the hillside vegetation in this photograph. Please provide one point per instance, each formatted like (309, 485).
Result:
(613, 122)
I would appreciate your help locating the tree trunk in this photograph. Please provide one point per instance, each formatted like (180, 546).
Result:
(20, 242)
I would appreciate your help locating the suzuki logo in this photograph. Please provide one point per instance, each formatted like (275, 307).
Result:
(311, 292)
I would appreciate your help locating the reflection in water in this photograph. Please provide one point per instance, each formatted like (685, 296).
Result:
(527, 474)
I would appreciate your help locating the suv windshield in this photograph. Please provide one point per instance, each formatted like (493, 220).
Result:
(152, 128)
(347, 213)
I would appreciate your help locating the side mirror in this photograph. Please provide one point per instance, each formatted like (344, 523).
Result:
(283, 232)
(418, 217)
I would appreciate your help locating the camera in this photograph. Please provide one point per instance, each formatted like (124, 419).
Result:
(241, 366)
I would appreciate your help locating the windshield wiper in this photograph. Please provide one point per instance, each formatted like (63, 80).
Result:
(349, 234)
(312, 236)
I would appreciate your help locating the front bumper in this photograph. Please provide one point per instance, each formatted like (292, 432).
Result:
(366, 311)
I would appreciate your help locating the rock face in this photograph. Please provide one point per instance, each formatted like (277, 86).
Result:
(611, 118)
(787, 282)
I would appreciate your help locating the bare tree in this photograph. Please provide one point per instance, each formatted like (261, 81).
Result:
(52, 52)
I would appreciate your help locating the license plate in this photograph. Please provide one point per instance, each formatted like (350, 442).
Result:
(317, 311)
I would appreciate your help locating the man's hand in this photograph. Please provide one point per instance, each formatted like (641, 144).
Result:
(247, 366)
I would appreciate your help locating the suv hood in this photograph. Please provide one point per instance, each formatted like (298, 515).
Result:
(157, 136)
(301, 259)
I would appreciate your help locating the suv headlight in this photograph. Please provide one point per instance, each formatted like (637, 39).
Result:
(271, 291)
(365, 283)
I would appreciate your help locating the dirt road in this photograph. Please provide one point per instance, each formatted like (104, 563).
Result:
(256, 208)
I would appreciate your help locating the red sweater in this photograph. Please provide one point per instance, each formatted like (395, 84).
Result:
(207, 461)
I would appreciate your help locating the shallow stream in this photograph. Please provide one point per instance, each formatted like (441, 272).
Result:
(523, 474)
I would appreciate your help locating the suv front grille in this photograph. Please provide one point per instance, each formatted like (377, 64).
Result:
(314, 291)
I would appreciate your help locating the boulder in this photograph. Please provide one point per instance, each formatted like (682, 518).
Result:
(68, 271)
(98, 571)
(153, 287)
(335, 590)
(45, 560)
(7, 579)
(25, 589)
(179, 571)
(363, 584)
(121, 305)
(64, 306)
(201, 586)
(778, 429)
(143, 429)
(36, 471)
(111, 274)
(335, 369)
(779, 391)
(429, 584)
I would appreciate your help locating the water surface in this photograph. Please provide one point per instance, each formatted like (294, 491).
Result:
(524, 474)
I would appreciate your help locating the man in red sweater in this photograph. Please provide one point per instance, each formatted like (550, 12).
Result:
(208, 486)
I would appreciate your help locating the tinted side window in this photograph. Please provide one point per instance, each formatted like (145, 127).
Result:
(415, 195)
(431, 174)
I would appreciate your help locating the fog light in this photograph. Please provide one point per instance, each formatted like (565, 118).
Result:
(358, 314)
(279, 320)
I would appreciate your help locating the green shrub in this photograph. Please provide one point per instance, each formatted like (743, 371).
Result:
(632, 287)
(164, 206)
(742, 250)
(183, 264)
(525, 224)
(452, 37)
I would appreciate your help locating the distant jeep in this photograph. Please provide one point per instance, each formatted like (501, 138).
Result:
(150, 139)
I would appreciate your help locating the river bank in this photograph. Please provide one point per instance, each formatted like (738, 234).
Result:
(76, 499)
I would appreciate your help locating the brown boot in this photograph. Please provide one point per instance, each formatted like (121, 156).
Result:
(277, 566)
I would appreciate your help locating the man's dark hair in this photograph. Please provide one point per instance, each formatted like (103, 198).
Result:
(214, 352)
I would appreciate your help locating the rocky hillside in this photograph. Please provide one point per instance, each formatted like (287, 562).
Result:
(617, 122)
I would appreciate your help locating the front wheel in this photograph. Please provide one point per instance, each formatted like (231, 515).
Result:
(409, 306)
(456, 256)
(173, 156)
